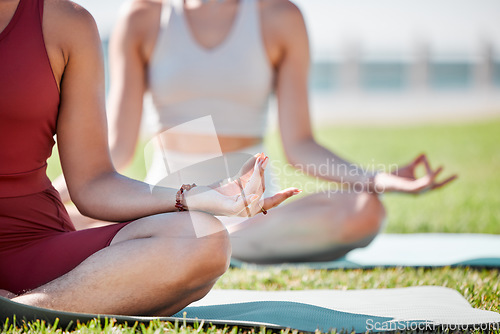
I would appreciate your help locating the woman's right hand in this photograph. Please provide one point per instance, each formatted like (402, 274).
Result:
(405, 180)
(240, 197)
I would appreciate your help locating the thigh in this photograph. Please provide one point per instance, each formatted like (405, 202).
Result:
(83, 222)
(154, 266)
(314, 227)
(186, 226)
(30, 265)
(38, 242)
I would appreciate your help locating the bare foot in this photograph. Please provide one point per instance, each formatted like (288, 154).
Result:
(7, 294)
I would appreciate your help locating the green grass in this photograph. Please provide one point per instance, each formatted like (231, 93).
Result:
(480, 287)
(469, 205)
(472, 203)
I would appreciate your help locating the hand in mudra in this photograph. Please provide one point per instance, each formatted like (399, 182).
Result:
(240, 196)
(404, 179)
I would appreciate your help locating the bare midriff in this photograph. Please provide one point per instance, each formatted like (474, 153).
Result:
(200, 143)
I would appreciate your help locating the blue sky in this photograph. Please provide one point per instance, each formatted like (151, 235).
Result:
(453, 28)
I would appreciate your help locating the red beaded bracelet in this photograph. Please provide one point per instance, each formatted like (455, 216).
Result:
(180, 194)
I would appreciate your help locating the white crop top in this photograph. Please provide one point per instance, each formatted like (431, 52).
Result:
(231, 82)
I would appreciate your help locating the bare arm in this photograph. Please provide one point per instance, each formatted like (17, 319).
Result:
(95, 187)
(299, 144)
(128, 59)
(130, 50)
(300, 147)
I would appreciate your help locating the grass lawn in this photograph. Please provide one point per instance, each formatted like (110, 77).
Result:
(469, 205)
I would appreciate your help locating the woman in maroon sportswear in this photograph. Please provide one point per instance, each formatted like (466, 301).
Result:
(52, 82)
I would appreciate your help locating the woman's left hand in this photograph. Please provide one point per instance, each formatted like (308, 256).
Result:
(248, 183)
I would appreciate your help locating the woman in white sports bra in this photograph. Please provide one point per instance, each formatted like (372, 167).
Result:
(212, 65)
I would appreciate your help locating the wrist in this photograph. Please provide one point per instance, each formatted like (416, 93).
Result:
(194, 199)
(375, 183)
(365, 183)
(381, 183)
(180, 197)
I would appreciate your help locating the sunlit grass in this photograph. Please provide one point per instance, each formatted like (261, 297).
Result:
(469, 205)
(480, 287)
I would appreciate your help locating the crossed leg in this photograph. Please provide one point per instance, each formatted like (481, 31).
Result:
(154, 266)
(319, 227)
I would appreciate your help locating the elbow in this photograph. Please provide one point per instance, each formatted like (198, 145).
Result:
(80, 200)
(121, 156)
(87, 205)
(296, 153)
(90, 195)
(293, 159)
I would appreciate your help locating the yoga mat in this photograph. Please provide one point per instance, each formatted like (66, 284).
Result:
(10, 310)
(414, 308)
(413, 250)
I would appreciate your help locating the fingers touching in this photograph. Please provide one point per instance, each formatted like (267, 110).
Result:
(256, 183)
(250, 202)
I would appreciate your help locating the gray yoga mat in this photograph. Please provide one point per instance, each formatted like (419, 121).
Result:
(420, 308)
(412, 250)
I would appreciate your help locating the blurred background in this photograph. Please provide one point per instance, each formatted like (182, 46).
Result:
(391, 79)
(437, 60)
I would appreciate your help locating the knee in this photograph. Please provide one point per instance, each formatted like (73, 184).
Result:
(366, 218)
(215, 245)
(209, 263)
(201, 248)
(211, 246)
(195, 243)
(370, 214)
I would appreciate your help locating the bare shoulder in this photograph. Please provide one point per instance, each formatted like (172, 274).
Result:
(137, 27)
(68, 30)
(139, 13)
(281, 19)
(283, 27)
(67, 25)
(69, 15)
(281, 12)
